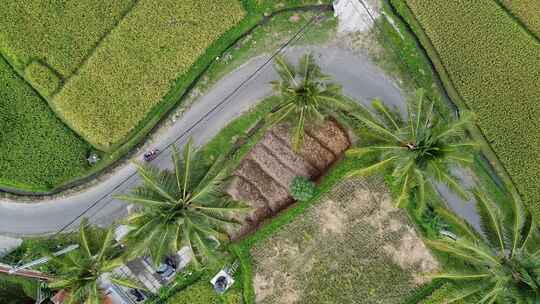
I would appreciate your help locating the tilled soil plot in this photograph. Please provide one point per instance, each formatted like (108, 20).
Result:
(263, 178)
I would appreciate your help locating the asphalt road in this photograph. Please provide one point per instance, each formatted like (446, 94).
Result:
(360, 79)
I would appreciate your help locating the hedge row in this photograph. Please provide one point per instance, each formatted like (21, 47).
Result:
(494, 66)
(38, 150)
(257, 6)
(136, 64)
(528, 11)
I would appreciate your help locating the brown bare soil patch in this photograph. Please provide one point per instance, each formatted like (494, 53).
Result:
(263, 177)
(330, 135)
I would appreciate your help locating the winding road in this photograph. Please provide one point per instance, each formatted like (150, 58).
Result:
(360, 79)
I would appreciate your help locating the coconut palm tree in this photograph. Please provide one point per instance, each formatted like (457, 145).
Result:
(179, 210)
(421, 148)
(305, 94)
(504, 264)
(80, 272)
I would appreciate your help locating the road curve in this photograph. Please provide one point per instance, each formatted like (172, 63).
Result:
(360, 79)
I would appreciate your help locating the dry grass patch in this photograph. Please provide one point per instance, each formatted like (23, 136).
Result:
(351, 245)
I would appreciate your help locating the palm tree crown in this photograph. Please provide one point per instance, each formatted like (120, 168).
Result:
(504, 263)
(80, 271)
(305, 95)
(419, 148)
(179, 210)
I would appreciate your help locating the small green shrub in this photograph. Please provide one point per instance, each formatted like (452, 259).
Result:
(42, 78)
(302, 189)
(17, 290)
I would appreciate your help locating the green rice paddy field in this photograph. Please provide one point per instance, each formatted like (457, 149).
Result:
(109, 70)
(527, 11)
(493, 64)
(38, 150)
(137, 64)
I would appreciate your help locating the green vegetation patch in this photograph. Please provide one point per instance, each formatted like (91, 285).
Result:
(527, 11)
(62, 32)
(273, 5)
(42, 78)
(493, 64)
(38, 150)
(138, 62)
(17, 290)
(352, 244)
(203, 293)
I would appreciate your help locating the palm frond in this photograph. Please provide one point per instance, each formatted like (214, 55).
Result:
(378, 128)
(460, 276)
(463, 227)
(373, 168)
(178, 167)
(446, 178)
(154, 179)
(286, 71)
(284, 111)
(142, 200)
(385, 112)
(491, 296)
(403, 197)
(456, 127)
(421, 203)
(360, 151)
(209, 187)
(450, 248)
(419, 108)
(463, 292)
(530, 233)
(517, 222)
(126, 282)
(187, 167)
(105, 245)
(298, 132)
(83, 239)
(481, 251)
(491, 219)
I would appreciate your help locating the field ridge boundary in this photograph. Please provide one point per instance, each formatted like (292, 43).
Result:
(21, 75)
(95, 47)
(518, 20)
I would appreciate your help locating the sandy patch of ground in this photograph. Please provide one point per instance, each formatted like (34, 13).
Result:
(332, 218)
